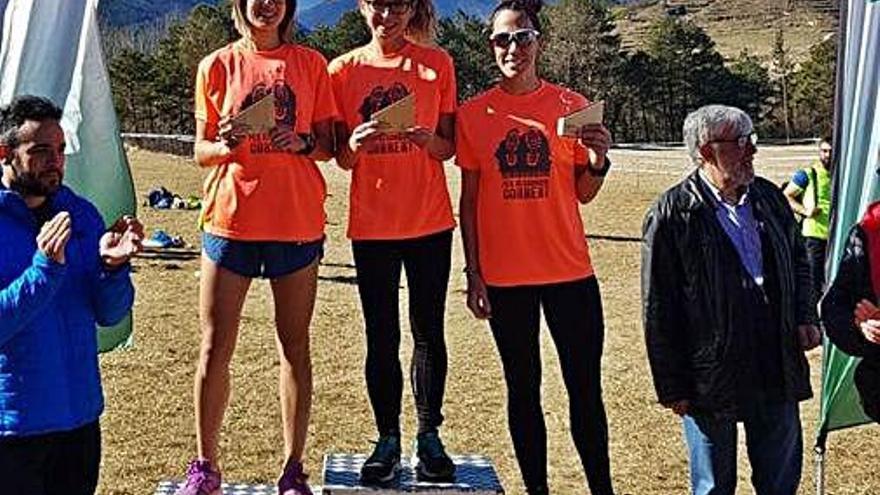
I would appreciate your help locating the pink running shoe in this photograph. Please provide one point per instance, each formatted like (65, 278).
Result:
(293, 480)
(201, 479)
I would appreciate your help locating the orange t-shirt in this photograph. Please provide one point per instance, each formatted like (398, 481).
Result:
(529, 230)
(264, 194)
(398, 191)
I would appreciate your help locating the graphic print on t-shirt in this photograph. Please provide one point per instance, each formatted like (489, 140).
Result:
(379, 98)
(524, 163)
(285, 112)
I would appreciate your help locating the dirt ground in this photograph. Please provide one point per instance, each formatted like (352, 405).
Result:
(148, 422)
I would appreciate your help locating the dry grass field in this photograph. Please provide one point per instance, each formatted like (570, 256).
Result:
(148, 423)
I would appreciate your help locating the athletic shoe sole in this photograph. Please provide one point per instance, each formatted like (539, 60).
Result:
(422, 474)
(378, 480)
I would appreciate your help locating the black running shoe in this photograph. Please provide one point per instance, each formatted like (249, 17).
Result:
(434, 464)
(382, 466)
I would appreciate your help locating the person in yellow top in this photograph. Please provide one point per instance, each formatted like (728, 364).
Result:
(809, 194)
(263, 217)
(400, 217)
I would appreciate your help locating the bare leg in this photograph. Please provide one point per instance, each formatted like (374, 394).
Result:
(294, 296)
(221, 296)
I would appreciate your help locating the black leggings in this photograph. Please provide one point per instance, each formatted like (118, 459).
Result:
(426, 261)
(573, 311)
(53, 463)
(816, 259)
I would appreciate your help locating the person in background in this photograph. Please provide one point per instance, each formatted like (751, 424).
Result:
(525, 246)
(809, 194)
(62, 273)
(728, 310)
(400, 217)
(263, 217)
(850, 310)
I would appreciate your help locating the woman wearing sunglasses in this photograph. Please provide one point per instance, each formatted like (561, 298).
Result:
(400, 216)
(525, 246)
(263, 217)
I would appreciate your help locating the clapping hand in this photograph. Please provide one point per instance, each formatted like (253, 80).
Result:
(871, 331)
(53, 237)
(865, 310)
(866, 317)
(122, 241)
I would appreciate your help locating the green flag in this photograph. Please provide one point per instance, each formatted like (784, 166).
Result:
(52, 48)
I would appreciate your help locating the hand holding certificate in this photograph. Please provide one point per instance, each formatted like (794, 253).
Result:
(398, 116)
(257, 118)
(571, 124)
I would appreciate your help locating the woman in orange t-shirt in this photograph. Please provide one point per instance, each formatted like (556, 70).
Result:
(525, 245)
(400, 215)
(263, 217)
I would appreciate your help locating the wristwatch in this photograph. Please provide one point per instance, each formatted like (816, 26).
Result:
(600, 172)
(309, 141)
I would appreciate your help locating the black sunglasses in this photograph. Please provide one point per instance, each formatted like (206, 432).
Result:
(522, 37)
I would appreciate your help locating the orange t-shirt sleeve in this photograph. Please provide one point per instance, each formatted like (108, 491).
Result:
(448, 91)
(466, 156)
(325, 101)
(337, 83)
(209, 91)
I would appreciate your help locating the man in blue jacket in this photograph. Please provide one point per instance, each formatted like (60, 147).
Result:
(61, 274)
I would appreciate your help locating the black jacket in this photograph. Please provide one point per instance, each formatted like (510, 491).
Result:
(851, 284)
(692, 296)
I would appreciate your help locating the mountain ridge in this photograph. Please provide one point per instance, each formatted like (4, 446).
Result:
(733, 24)
(328, 12)
(124, 13)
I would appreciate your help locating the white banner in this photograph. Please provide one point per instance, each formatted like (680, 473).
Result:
(52, 48)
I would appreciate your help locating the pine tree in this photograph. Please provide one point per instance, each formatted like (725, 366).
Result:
(582, 52)
(754, 88)
(350, 32)
(464, 38)
(812, 90)
(782, 69)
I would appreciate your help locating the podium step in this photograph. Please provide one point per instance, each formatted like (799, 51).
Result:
(168, 487)
(474, 475)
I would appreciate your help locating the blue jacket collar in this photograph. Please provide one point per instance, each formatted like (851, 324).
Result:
(13, 204)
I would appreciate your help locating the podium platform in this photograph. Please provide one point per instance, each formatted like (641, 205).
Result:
(474, 475)
(168, 488)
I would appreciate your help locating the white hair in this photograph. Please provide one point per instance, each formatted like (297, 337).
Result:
(712, 122)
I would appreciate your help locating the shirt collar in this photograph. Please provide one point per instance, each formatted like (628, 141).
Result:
(717, 192)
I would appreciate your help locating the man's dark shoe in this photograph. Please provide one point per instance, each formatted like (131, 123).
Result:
(382, 466)
(434, 464)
